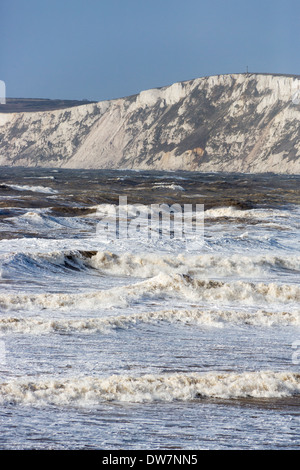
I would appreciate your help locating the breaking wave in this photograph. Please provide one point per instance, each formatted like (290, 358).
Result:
(191, 317)
(159, 287)
(89, 391)
(148, 265)
(53, 262)
(41, 222)
(175, 187)
(36, 189)
(234, 212)
(212, 213)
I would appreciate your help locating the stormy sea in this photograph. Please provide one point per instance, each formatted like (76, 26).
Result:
(120, 333)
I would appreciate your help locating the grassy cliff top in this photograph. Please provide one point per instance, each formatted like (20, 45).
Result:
(21, 105)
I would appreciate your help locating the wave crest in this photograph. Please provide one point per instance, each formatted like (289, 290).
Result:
(87, 391)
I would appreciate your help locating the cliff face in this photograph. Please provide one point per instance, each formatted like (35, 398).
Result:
(235, 123)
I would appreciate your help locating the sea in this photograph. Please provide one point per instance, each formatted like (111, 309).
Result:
(120, 333)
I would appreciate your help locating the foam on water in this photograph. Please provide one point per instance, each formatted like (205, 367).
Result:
(147, 265)
(192, 317)
(234, 212)
(87, 391)
(42, 222)
(36, 189)
(92, 322)
(161, 287)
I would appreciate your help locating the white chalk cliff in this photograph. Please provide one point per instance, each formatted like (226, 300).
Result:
(235, 123)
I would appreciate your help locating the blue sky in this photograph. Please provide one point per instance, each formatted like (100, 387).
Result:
(104, 49)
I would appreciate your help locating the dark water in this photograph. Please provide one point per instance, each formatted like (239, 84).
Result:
(81, 188)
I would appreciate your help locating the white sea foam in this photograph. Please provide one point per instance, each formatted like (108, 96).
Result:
(87, 391)
(41, 222)
(160, 287)
(40, 177)
(234, 212)
(192, 317)
(174, 187)
(147, 265)
(86, 321)
(36, 189)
